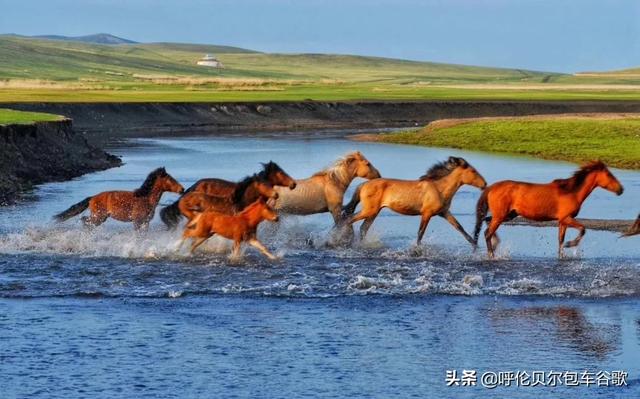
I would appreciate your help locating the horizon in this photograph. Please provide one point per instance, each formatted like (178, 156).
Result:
(565, 37)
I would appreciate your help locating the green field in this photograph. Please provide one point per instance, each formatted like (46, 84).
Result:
(575, 139)
(46, 70)
(10, 117)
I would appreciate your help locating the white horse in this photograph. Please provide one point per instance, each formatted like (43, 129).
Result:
(324, 191)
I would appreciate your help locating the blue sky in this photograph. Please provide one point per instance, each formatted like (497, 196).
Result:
(549, 35)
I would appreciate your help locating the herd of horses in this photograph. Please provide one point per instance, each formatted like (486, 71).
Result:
(234, 210)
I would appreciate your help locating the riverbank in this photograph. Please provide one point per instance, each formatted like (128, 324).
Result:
(38, 152)
(612, 138)
(104, 121)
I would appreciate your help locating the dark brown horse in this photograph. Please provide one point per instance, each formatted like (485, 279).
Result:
(193, 202)
(271, 174)
(126, 206)
(559, 200)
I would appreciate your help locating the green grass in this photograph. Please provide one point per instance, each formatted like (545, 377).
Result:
(615, 142)
(61, 71)
(10, 117)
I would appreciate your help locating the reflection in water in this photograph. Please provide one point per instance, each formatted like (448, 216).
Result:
(568, 324)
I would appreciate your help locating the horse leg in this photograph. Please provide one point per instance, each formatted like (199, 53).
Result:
(366, 225)
(562, 230)
(257, 244)
(95, 219)
(456, 225)
(424, 221)
(571, 222)
(490, 233)
(197, 242)
(235, 252)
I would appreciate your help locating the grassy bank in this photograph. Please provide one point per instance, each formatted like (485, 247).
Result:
(615, 141)
(10, 117)
(36, 70)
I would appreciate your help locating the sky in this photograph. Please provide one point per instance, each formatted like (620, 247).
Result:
(545, 35)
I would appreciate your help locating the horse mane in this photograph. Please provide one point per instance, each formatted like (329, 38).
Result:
(579, 176)
(336, 171)
(267, 169)
(444, 168)
(242, 186)
(149, 182)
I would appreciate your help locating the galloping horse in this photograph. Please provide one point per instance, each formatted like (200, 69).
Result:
(271, 173)
(429, 196)
(196, 202)
(126, 206)
(559, 200)
(324, 191)
(240, 228)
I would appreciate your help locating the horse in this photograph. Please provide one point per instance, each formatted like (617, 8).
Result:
(559, 200)
(241, 227)
(196, 202)
(324, 191)
(271, 173)
(126, 206)
(429, 196)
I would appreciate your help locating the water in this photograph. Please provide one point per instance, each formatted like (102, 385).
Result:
(384, 318)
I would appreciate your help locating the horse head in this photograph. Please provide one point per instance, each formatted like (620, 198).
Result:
(168, 183)
(361, 166)
(469, 174)
(274, 174)
(604, 178)
(263, 210)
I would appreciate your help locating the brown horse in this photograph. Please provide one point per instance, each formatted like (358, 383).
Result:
(126, 206)
(429, 196)
(559, 200)
(271, 173)
(196, 202)
(240, 228)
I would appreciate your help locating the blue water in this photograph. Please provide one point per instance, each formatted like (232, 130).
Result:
(112, 313)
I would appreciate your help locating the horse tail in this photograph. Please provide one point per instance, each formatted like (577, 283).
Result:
(74, 210)
(350, 208)
(481, 213)
(170, 215)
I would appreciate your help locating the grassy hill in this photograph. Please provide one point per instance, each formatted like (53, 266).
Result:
(34, 69)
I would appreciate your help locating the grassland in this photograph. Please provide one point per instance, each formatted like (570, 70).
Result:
(614, 139)
(9, 117)
(46, 70)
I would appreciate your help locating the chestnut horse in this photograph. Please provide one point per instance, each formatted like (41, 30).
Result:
(429, 196)
(559, 200)
(271, 173)
(196, 202)
(241, 227)
(324, 191)
(126, 206)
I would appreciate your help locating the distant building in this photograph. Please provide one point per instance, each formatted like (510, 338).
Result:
(210, 61)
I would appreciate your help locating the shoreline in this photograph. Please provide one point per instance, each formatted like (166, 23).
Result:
(43, 152)
(101, 122)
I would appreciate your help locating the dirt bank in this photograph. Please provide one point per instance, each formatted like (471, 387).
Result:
(102, 121)
(44, 152)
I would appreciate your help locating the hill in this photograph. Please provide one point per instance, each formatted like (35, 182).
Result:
(98, 38)
(64, 70)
